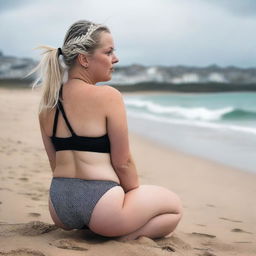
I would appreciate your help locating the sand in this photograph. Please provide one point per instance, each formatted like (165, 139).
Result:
(219, 202)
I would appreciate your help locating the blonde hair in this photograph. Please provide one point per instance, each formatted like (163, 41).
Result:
(82, 37)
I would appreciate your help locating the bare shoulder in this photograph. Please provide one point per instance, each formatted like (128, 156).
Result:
(109, 91)
(110, 94)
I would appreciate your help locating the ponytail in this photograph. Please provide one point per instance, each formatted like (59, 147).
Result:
(50, 75)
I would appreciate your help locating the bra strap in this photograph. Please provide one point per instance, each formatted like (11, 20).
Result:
(65, 117)
(55, 122)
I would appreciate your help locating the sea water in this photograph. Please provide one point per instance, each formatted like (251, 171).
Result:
(217, 126)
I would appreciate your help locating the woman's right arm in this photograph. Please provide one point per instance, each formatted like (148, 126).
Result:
(117, 129)
(49, 148)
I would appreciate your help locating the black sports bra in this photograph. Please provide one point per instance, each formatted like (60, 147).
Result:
(95, 144)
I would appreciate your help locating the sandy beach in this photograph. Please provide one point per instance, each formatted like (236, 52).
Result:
(219, 201)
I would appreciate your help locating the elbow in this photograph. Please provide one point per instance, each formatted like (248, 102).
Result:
(123, 165)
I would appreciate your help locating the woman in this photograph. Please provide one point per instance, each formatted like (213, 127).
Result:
(84, 130)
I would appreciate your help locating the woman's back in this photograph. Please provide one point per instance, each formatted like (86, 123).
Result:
(86, 112)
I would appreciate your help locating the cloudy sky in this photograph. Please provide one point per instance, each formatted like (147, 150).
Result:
(148, 32)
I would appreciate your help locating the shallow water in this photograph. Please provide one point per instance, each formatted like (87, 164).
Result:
(216, 126)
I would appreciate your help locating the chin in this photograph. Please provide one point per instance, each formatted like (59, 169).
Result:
(108, 78)
(105, 80)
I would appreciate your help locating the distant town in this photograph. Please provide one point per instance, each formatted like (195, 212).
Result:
(138, 77)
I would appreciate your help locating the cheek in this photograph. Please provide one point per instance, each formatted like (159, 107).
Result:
(104, 64)
(101, 62)
(106, 60)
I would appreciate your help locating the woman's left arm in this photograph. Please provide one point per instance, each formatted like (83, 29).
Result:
(49, 148)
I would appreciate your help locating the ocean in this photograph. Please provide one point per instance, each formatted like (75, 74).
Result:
(216, 126)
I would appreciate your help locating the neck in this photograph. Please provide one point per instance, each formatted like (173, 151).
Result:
(80, 75)
(77, 78)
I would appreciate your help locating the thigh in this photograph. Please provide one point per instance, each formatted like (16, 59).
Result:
(117, 213)
(151, 199)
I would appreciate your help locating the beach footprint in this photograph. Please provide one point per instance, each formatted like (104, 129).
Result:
(231, 220)
(69, 244)
(210, 205)
(203, 235)
(35, 228)
(239, 230)
(35, 198)
(34, 214)
(23, 179)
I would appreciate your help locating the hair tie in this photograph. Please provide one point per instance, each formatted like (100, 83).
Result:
(59, 52)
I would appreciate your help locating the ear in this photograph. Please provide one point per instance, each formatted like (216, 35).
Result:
(82, 60)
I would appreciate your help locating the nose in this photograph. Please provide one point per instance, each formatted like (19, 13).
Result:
(115, 59)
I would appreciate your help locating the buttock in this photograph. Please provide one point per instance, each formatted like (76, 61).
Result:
(74, 199)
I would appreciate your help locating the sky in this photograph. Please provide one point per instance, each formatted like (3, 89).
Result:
(147, 32)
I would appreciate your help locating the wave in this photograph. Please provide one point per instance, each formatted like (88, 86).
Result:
(204, 124)
(194, 113)
(240, 114)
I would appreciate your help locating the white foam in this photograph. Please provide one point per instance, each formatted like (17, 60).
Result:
(204, 124)
(199, 113)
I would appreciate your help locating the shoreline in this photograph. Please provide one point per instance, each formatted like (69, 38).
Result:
(228, 143)
(172, 149)
(199, 142)
(218, 201)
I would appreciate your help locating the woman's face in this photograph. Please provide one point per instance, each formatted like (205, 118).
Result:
(102, 61)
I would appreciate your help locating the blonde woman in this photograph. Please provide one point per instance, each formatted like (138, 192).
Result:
(84, 129)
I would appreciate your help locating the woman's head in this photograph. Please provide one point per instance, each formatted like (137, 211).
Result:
(90, 47)
(82, 37)
(86, 45)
